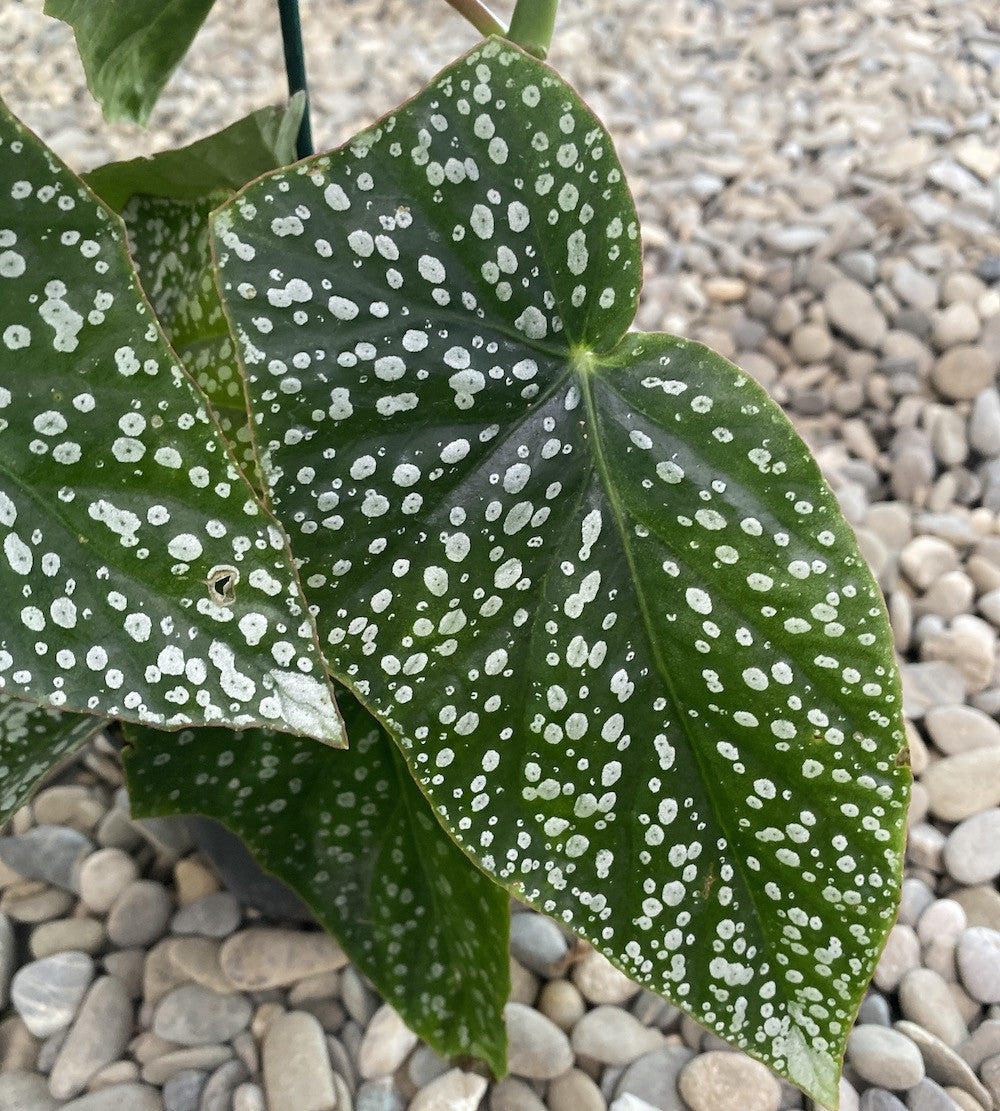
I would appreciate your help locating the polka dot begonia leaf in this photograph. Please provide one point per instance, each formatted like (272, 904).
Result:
(142, 578)
(130, 50)
(592, 581)
(34, 740)
(353, 835)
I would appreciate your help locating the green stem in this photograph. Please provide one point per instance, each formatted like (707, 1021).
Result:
(531, 25)
(484, 21)
(295, 67)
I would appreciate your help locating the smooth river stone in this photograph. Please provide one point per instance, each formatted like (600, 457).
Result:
(99, 1035)
(47, 993)
(884, 1057)
(725, 1081)
(296, 1065)
(194, 1015)
(261, 958)
(537, 1048)
(960, 786)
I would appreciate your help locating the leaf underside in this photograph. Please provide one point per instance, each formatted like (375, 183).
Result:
(592, 582)
(129, 50)
(352, 834)
(142, 578)
(227, 160)
(34, 740)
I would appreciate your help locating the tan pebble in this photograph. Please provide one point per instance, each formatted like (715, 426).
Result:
(193, 880)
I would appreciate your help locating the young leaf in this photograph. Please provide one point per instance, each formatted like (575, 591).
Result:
(230, 158)
(130, 50)
(33, 740)
(141, 577)
(352, 834)
(592, 581)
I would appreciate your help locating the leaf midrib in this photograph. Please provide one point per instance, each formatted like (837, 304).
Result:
(585, 374)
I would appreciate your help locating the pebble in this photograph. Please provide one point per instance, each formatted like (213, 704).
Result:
(261, 958)
(511, 1094)
(183, 1091)
(560, 1001)
(925, 998)
(926, 685)
(296, 1066)
(215, 915)
(455, 1091)
(52, 854)
(914, 286)
(46, 993)
(378, 1095)
(653, 1077)
(955, 729)
(984, 423)
(202, 1058)
(724, 1081)
(575, 1091)
(538, 943)
(884, 1057)
(386, 1044)
(118, 1097)
(21, 1090)
(900, 956)
(139, 915)
(537, 1048)
(962, 372)
(925, 559)
(221, 1085)
(852, 310)
(942, 1063)
(98, 1036)
(965, 784)
(929, 1096)
(972, 851)
(194, 1015)
(978, 960)
(613, 1036)
(83, 934)
(600, 982)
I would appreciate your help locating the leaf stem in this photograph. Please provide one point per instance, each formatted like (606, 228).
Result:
(295, 67)
(532, 24)
(484, 21)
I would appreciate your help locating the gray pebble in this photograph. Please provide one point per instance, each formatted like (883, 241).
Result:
(884, 1057)
(455, 1091)
(878, 1099)
(972, 851)
(47, 993)
(928, 1095)
(21, 1090)
(726, 1081)
(852, 310)
(537, 1048)
(296, 1067)
(925, 998)
(875, 1009)
(99, 1036)
(52, 854)
(914, 287)
(613, 1037)
(653, 1077)
(194, 1015)
(984, 423)
(955, 729)
(926, 685)
(249, 1097)
(984, 1043)
(118, 1097)
(215, 915)
(941, 1062)
(139, 915)
(378, 1095)
(978, 960)
(538, 943)
(204, 1058)
(182, 1092)
(220, 1086)
(900, 955)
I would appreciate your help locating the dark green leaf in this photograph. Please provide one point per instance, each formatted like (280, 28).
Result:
(33, 741)
(224, 161)
(170, 247)
(593, 581)
(142, 579)
(129, 50)
(352, 834)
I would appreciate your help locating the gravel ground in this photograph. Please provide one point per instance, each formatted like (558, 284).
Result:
(820, 192)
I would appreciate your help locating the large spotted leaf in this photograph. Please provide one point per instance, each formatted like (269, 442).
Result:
(140, 576)
(353, 835)
(129, 50)
(33, 741)
(592, 581)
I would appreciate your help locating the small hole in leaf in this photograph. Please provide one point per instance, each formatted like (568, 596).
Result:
(221, 585)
